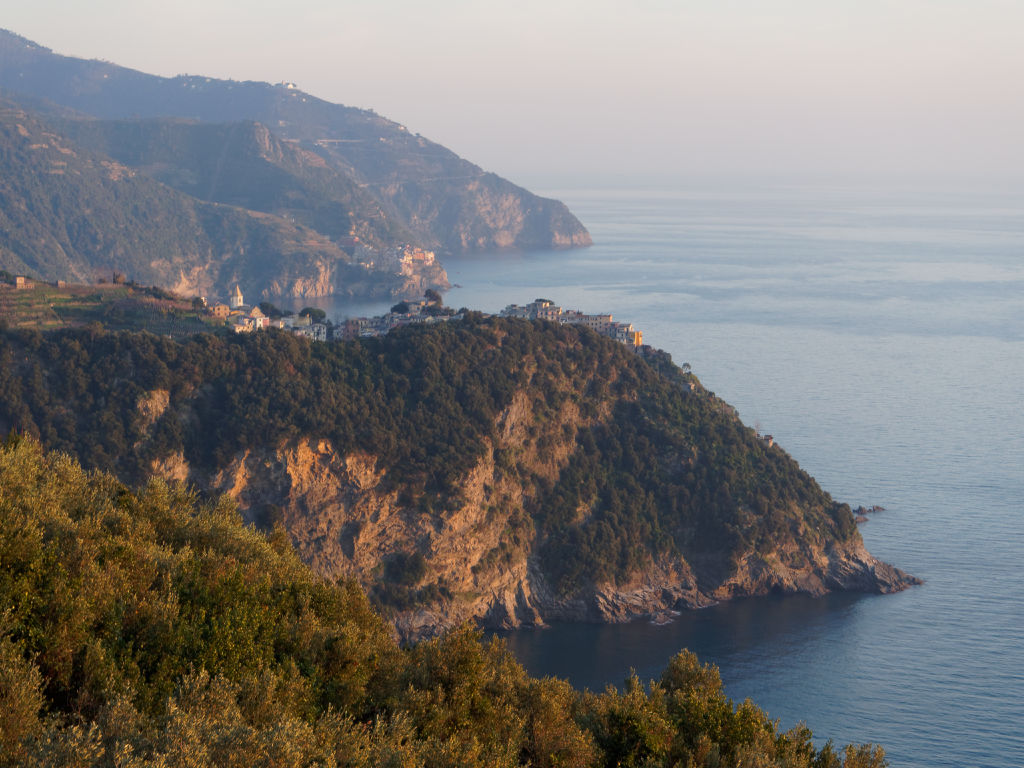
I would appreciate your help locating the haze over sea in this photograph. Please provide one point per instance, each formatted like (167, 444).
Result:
(879, 337)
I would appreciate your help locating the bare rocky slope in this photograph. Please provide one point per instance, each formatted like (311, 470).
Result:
(504, 472)
(344, 522)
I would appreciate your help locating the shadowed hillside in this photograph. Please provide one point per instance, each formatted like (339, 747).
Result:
(71, 213)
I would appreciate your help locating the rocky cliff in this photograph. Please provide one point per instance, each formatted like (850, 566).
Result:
(344, 523)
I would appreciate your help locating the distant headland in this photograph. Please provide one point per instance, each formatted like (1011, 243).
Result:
(195, 184)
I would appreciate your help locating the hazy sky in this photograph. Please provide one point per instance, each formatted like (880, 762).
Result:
(550, 89)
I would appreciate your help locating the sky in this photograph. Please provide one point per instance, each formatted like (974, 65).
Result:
(563, 90)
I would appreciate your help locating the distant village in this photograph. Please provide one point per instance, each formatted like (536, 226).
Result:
(312, 323)
(245, 319)
(402, 259)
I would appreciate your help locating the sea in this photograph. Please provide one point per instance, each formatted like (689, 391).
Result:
(877, 332)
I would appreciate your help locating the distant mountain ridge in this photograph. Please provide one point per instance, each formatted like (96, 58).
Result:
(444, 202)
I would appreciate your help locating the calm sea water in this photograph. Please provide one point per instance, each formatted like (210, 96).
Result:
(879, 336)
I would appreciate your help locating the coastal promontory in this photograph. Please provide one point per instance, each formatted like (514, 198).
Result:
(503, 471)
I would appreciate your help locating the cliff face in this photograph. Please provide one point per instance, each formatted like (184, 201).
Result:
(485, 213)
(346, 522)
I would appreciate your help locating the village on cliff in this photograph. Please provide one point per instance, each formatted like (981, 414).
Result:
(246, 319)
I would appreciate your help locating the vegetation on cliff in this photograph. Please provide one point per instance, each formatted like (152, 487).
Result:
(147, 629)
(615, 462)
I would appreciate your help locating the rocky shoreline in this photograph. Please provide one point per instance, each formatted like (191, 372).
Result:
(344, 526)
(662, 594)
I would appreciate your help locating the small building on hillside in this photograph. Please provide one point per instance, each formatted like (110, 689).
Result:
(627, 334)
(599, 323)
(242, 324)
(259, 320)
(236, 300)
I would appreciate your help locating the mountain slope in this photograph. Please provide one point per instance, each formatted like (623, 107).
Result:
(72, 214)
(492, 470)
(446, 202)
(243, 165)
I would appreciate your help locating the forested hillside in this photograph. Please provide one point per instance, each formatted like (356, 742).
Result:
(499, 470)
(147, 629)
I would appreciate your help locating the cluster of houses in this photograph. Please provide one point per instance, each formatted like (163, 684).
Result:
(421, 312)
(416, 313)
(245, 319)
(402, 259)
(543, 309)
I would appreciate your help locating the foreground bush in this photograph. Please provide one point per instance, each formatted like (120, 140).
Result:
(149, 629)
